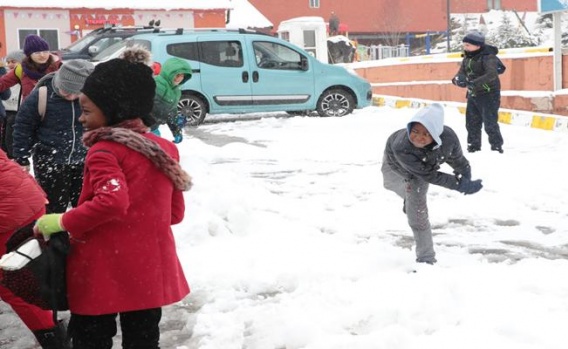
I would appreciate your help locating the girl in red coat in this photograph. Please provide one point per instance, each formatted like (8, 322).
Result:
(37, 63)
(21, 202)
(123, 259)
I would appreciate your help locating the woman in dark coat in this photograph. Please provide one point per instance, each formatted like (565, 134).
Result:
(411, 162)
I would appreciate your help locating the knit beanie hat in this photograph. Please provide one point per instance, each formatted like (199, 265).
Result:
(17, 55)
(122, 89)
(34, 43)
(475, 37)
(72, 75)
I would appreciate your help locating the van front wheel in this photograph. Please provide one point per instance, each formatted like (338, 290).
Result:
(335, 102)
(194, 109)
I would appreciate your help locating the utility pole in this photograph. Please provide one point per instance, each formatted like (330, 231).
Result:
(449, 26)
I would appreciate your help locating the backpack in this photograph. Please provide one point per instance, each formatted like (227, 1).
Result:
(42, 281)
(500, 66)
(42, 99)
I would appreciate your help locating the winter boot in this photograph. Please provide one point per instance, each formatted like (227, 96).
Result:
(497, 148)
(53, 338)
(473, 148)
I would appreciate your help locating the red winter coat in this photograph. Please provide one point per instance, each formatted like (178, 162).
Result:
(21, 198)
(123, 254)
(11, 79)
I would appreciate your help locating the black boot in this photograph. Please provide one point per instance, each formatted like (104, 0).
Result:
(53, 338)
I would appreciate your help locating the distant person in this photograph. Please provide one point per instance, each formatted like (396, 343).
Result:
(4, 96)
(412, 161)
(478, 73)
(333, 24)
(174, 73)
(21, 202)
(12, 104)
(37, 63)
(123, 262)
(55, 139)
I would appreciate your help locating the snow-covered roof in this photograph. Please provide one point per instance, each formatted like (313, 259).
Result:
(132, 4)
(245, 15)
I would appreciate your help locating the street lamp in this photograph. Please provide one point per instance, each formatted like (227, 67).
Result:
(448, 26)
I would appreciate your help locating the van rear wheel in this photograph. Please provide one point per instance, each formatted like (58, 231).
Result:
(194, 109)
(335, 102)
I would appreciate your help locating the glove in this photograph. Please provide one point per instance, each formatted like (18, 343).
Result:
(181, 120)
(459, 80)
(178, 138)
(156, 131)
(49, 224)
(467, 186)
(466, 173)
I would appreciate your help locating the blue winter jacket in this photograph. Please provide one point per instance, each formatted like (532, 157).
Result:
(57, 138)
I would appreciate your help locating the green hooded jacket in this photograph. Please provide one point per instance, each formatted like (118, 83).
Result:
(167, 94)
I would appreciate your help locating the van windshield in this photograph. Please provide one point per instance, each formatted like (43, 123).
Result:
(115, 50)
(79, 45)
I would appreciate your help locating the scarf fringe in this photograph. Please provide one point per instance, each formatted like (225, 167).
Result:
(129, 133)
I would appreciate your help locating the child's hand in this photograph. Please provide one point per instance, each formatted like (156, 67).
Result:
(49, 224)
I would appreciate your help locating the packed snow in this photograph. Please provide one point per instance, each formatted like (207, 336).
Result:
(290, 241)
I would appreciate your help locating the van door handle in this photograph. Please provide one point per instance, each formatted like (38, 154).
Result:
(254, 76)
(245, 76)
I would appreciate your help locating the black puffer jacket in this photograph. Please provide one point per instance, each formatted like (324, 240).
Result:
(57, 137)
(480, 69)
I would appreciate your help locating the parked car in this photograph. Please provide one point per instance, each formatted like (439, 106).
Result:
(238, 71)
(99, 39)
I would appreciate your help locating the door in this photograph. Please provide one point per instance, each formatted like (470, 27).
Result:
(225, 77)
(282, 77)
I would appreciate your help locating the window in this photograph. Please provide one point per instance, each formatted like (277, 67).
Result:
(186, 50)
(285, 36)
(310, 41)
(270, 55)
(494, 4)
(314, 3)
(49, 35)
(221, 53)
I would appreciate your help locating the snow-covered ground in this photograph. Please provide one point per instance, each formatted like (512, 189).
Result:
(290, 241)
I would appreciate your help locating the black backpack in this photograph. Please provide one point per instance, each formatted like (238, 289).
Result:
(42, 281)
(500, 66)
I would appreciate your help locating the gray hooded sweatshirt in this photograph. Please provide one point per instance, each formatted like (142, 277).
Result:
(424, 163)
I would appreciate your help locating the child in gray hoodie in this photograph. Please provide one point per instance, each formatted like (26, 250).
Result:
(411, 162)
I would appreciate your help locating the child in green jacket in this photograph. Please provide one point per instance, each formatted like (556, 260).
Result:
(174, 73)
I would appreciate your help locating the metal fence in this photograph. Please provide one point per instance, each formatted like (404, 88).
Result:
(375, 52)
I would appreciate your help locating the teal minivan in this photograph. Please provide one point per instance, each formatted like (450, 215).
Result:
(238, 71)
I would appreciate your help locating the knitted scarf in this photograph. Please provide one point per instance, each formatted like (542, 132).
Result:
(33, 70)
(129, 133)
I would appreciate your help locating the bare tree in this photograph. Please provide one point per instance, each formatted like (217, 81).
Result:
(393, 21)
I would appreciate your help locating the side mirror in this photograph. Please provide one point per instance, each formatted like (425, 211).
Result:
(304, 63)
(93, 50)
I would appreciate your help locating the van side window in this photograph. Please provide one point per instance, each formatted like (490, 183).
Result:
(271, 55)
(221, 53)
(185, 50)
